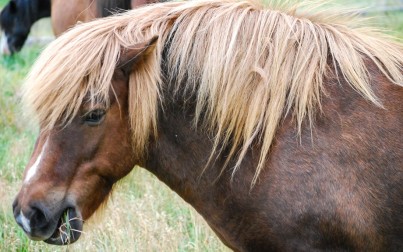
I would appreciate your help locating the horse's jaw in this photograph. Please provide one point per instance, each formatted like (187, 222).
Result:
(68, 229)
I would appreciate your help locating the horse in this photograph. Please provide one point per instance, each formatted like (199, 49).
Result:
(18, 16)
(16, 20)
(66, 14)
(280, 124)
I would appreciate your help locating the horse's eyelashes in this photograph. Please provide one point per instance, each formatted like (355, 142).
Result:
(94, 117)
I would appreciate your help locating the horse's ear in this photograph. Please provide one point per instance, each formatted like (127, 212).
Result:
(131, 56)
(13, 6)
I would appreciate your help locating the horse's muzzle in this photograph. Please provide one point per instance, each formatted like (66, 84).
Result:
(68, 230)
(40, 224)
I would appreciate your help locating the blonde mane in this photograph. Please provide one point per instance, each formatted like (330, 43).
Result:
(247, 65)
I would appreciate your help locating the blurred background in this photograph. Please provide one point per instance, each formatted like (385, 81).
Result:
(142, 214)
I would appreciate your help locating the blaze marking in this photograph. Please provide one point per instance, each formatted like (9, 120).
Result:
(35, 167)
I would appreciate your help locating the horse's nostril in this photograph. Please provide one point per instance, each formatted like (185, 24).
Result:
(37, 218)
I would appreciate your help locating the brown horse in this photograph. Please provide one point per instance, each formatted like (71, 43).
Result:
(281, 128)
(18, 16)
(65, 14)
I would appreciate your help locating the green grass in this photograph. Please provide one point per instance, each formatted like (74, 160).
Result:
(142, 215)
(16, 142)
(3, 2)
(14, 136)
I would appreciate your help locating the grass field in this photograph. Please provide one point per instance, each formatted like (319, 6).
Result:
(142, 214)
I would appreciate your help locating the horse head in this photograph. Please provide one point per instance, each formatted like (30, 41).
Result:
(16, 20)
(15, 25)
(74, 166)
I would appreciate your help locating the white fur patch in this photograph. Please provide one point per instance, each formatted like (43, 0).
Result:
(35, 167)
(3, 45)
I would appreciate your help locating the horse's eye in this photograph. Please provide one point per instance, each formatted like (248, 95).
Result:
(94, 117)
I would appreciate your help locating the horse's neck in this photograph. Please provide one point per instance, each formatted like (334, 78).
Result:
(44, 8)
(301, 171)
(178, 159)
(179, 155)
(36, 10)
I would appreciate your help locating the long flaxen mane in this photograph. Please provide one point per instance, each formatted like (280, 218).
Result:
(248, 66)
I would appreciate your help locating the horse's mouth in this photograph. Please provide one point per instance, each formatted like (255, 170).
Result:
(68, 229)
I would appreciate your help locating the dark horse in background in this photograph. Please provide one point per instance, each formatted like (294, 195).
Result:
(16, 20)
(282, 128)
(18, 16)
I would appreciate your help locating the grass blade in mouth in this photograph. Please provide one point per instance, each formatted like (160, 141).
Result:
(66, 230)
